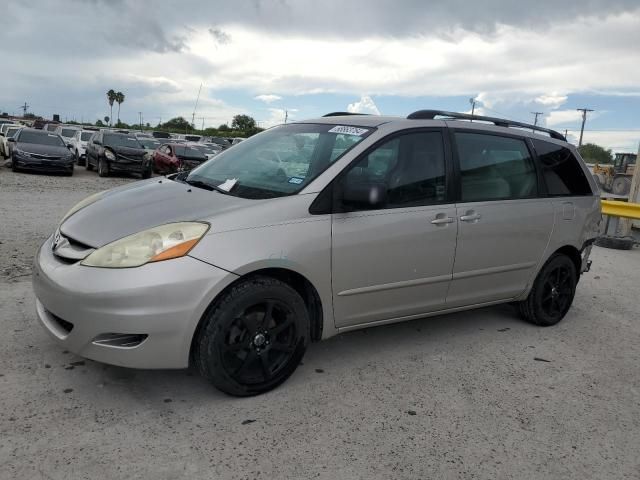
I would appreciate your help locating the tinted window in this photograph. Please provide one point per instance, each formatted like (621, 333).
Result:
(411, 166)
(40, 138)
(85, 136)
(68, 132)
(561, 170)
(494, 168)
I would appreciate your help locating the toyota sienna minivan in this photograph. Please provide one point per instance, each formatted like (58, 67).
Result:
(315, 228)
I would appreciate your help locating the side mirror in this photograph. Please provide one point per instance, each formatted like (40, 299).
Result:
(70, 146)
(11, 139)
(365, 195)
(1, 134)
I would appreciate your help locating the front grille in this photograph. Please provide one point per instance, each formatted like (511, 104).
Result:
(63, 324)
(68, 249)
(45, 157)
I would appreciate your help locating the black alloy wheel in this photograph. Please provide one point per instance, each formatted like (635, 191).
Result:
(254, 337)
(552, 293)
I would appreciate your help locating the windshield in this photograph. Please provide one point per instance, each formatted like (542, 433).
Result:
(149, 144)
(85, 136)
(11, 131)
(280, 161)
(41, 138)
(115, 140)
(68, 132)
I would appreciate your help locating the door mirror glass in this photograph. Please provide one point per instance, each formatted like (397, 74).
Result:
(11, 139)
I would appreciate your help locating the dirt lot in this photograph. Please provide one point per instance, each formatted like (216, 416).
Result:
(470, 395)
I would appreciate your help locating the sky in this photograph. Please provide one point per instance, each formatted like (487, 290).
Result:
(302, 58)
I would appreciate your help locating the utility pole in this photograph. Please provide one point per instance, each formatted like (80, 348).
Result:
(202, 124)
(566, 132)
(140, 115)
(472, 101)
(24, 108)
(286, 115)
(193, 117)
(535, 120)
(584, 119)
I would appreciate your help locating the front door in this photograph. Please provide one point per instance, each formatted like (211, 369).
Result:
(395, 260)
(504, 227)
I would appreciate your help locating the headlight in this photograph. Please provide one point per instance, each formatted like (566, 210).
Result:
(109, 155)
(164, 242)
(21, 152)
(81, 204)
(147, 156)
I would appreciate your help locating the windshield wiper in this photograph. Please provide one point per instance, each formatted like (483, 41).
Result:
(206, 186)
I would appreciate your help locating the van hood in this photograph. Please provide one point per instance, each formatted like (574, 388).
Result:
(141, 205)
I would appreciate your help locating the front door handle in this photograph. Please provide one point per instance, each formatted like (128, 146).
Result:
(442, 219)
(470, 217)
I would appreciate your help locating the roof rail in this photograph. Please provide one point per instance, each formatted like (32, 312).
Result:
(341, 114)
(500, 122)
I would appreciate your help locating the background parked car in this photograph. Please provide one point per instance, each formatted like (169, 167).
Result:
(150, 144)
(160, 135)
(51, 126)
(67, 131)
(40, 150)
(175, 157)
(111, 151)
(79, 143)
(223, 142)
(209, 150)
(7, 131)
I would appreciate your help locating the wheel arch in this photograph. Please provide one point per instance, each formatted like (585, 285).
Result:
(573, 253)
(295, 280)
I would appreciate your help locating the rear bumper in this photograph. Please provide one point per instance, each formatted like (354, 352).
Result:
(161, 302)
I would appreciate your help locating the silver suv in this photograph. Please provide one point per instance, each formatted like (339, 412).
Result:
(315, 228)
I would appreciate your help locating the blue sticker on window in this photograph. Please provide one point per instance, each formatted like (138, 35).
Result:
(296, 180)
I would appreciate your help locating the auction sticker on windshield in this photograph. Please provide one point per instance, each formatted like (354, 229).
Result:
(348, 130)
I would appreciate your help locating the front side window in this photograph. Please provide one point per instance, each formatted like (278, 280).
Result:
(410, 167)
(280, 161)
(494, 168)
(561, 170)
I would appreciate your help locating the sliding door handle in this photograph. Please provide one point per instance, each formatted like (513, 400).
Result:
(441, 220)
(470, 217)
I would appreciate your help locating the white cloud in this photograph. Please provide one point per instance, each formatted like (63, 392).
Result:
(553, 100)
(561, 117)
(364, 105)
(268, 98)
(618, 141)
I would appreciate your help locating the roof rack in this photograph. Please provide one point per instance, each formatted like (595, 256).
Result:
(500, 122)
(341, 114)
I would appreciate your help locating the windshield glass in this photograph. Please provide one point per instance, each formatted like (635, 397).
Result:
(68, 132)
(280, 161)
(41, 138)
(116, 140)
(149, 144)
(11, 131)
(85, 136)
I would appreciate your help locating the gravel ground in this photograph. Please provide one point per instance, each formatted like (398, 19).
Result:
(469, 395)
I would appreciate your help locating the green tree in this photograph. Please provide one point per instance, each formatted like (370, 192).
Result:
(99, 123)
(593, 153)
(120, 100)
(111, 97)
(178, 123)
(244, 123)
(224, 128)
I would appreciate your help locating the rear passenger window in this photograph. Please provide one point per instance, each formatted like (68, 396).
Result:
(495, 168)
(561, 170)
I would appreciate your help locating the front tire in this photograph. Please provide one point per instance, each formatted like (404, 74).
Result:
(552, 293)
(103, 167)
(253, 338)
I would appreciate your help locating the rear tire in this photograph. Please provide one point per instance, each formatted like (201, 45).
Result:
(87, 164)
(253, 338)
(621, 185)
(552, 293)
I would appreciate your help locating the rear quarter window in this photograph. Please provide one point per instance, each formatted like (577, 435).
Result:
(561, 170)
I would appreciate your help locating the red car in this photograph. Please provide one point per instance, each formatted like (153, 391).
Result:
(176, 157)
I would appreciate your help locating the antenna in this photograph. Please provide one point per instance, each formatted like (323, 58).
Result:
(193, 117)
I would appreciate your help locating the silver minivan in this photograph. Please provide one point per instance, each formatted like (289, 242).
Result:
(315, 228)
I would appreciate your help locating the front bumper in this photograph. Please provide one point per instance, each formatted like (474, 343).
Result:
(163, 300)
(30, 163)
(126, 165)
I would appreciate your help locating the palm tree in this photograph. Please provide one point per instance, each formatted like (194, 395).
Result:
(111, 96)
(120, 100)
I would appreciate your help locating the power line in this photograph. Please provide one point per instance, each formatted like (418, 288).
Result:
(584, 119)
